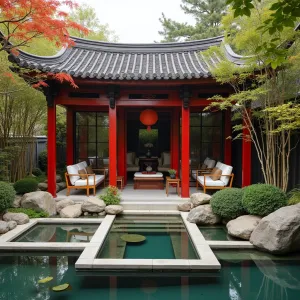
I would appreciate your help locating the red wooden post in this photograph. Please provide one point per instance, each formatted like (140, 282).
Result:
(246, 152)
(121, 143)
(185, 152)
(227, 142)
(113, 146)
(51, 149)
(175, 140)
(70, 136)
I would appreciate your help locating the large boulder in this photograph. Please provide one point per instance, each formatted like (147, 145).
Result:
(72, 211)
(3, 227)
(279, 232)
(243, 226)
(20, 218)
(113, 209)
(62, 185)
(63, 203)
(186, 206)
(39, 201)
(43, 186)
(93, 205)
(200, 199)
(17, 201)
(12, 225)
(203, 214)
(58, 178)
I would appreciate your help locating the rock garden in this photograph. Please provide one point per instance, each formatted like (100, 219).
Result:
(260, 213)
(22, 201)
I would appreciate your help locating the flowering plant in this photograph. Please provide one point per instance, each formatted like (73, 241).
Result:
(111, 195)
(148, 145)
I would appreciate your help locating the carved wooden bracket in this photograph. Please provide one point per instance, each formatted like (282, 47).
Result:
(113, 92)
(50, 91)
(185, 95)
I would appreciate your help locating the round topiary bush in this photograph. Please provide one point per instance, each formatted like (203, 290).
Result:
(26, 185)
(227, 203)
(263, 199)
(43, 161)
(7, 195)
(37, 172)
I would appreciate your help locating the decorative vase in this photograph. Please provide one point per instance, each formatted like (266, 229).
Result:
(148, 154)
(172, 176)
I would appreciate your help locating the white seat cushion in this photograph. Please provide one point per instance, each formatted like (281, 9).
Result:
(166, 158)
(210, 163)
(194, 174)
(73, 169)
(82, 165)
(226, 170)
(206, 160)
(209, 181)
(140, 175)
(82, 182)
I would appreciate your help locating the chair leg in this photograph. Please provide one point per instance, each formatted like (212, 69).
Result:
(68, 192)
(88, 192)
(94, 190)
(204, 189)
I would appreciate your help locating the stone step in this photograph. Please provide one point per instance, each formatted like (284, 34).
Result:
(149, 205)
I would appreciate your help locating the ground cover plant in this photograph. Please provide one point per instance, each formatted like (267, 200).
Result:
(263, 199)
(7, 195)
(31, 213)
(227, 203)
(294, 196)
(26, 185)
(111, 195)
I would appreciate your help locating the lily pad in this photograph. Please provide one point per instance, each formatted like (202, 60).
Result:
(45, 280)
(61, 287)
(133, 238)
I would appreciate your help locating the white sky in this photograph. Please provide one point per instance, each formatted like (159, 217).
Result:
(137, 21)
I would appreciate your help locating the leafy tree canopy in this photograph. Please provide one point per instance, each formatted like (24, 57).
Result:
(284, 13)
(207, 14)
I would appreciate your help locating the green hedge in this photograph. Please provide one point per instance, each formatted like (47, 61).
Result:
(263, 199)
(7, 195)
(26, 185)
(227, 203)
(31, 213)
(37, 172)
(294, 196)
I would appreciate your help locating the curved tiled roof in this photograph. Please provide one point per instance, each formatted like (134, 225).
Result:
(115, 61)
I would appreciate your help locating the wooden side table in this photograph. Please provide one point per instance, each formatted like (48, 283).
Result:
(171, 181)
(121, 180)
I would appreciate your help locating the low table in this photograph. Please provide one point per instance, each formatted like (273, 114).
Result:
(171, 181)
(148, 181)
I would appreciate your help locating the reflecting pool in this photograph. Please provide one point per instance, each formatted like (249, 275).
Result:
(244, 275)
(75, 233)
(165, 238)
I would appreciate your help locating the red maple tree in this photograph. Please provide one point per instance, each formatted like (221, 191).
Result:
(22, 21)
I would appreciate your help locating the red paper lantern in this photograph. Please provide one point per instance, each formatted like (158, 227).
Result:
(148, 117)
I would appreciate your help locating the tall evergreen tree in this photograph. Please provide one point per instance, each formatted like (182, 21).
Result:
(208, 15)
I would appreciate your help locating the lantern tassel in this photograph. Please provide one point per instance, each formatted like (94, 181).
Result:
(148, 128)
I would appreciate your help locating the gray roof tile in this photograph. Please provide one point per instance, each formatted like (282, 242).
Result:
(114, 61)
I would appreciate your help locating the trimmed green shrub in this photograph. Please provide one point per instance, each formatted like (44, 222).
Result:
(37, 172)
(111, 195)
(43, 159)
(7, 195)
(227, 203)
(26, 185)
(31, 213)
(294, 197)
(263, 199)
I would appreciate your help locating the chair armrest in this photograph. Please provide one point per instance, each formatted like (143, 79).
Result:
(202, 171)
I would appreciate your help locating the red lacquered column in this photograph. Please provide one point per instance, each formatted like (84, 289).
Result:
(51, 149)
(246, 152)
(113, 146)
(185, 152)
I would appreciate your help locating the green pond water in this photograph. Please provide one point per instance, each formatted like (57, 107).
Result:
(244, 276)
(59, 233)
(216, 233)
(166, 238)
